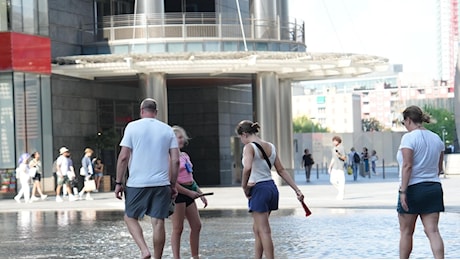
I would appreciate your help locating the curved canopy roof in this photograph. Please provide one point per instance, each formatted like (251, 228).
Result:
(288, 65)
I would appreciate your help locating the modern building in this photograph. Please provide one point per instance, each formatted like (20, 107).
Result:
(381, 96)
(338, 112)
(447, 28)
(73, 73)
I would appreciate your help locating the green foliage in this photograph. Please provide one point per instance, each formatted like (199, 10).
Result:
(443, 120)
(103, 140)
(304, 124)
(371, 125)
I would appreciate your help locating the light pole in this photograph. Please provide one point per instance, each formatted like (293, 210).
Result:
(444, 133)
(312, 124)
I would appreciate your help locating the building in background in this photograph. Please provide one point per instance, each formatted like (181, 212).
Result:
(382, 96)
(447, 27)
(77, 78)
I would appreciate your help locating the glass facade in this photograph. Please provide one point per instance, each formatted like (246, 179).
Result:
(21, 121)
(26, 16)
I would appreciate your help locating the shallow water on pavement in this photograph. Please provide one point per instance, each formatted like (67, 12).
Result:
(328, 233)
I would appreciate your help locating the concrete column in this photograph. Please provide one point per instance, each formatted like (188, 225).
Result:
(150, 7)
(265, 95)
(285, 128)
(283, 13)
(153, 85)
(264, 14)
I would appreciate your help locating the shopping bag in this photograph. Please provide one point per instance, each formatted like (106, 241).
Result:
(89, 185)
(32, 172)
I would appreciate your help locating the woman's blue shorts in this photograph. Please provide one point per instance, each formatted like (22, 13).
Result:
(264, 197)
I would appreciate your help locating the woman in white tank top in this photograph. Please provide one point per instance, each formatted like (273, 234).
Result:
(258, 185)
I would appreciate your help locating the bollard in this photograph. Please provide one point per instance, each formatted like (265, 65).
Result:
(383, 168)
(317, 171)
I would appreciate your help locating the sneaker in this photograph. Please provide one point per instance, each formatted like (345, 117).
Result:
(43, 197)
(72, 198)
(89, 198)
(59, 199)
(95, 190)
(18, 200)
(33, 198)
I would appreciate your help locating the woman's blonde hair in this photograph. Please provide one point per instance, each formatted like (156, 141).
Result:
(180, 130)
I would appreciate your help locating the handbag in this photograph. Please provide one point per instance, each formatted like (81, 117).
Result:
(349, 170)
(90, 185)
(32, 172)
(82, 171)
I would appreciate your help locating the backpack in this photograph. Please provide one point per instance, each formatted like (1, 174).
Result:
(356, 158)
(55, 166)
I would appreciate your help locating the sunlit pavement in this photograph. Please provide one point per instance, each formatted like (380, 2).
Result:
(373, 193)
(363, 225)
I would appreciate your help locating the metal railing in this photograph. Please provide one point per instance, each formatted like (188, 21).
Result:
(184, 26)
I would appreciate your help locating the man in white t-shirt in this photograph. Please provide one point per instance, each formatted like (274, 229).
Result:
(64, 167)
(149, 149)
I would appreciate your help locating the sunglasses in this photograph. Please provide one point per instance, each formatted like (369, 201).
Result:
(403, 122)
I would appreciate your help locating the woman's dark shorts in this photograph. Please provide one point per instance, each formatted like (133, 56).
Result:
(423, 198)
(181, 198)
(264, 197)
(151, 201)
(37, 177)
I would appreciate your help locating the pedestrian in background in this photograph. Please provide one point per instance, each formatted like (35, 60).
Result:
(420, 157)
(365, 159)
(98, 172)
(86, 172)
(354, 160)
(336, 172)
(64, 167)
(22, 172)
(37, 165)
(258, 185)
(149, 147)
(188, 190)
(307, 163)
(374, 159)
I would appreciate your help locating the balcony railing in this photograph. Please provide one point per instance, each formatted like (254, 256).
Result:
(191, 27)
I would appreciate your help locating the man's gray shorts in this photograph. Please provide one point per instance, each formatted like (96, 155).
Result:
(150, 201)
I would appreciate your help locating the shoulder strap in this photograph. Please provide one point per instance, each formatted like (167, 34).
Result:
(264, 154)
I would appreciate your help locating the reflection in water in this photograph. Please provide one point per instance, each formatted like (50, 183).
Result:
(225, 234)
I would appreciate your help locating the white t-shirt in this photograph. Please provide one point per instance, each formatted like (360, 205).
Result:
(63, 164)
(149, 140)
(427, 148)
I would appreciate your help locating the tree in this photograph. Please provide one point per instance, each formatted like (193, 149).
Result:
(443, 121)
(103, 140)
(371, 125)
(304, 124)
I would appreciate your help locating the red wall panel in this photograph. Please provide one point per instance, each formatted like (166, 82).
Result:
(6, 62)
(26, 53)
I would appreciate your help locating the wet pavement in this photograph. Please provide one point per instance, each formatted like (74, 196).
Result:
(364, 225)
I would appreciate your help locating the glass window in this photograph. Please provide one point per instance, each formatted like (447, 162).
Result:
(19, 113)
(33, 113)
(194, 46)
(43, 23)
(3, 16)
(120, 49)
(157, 47)
(261, 46)
(16, 16)
(7, 158)
(139, 48)
(29, 23)
(212, 46)
(175, 47)
(230, 46)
